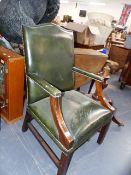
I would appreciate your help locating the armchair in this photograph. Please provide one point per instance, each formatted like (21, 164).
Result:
(68, 117)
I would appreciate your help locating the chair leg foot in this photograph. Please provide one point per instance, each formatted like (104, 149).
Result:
(27, 119)
(64, 164)
(115, 120)
(103, 132)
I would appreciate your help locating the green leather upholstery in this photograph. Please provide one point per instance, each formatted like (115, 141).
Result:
(49, 68)
(47, 87)
(88, 74)
(49, 54)
(82, 115)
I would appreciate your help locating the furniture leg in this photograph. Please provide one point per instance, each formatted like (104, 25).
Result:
(91, 85)
(122, 86)
(119, 80)
(64, 164)
(44, 145)
(114, 119)
(27, 120)
(103, 132)
(61, 164)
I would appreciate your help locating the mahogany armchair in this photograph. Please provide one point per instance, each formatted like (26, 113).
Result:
(68, 117)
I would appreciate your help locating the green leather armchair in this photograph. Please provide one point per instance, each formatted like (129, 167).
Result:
(69, 118)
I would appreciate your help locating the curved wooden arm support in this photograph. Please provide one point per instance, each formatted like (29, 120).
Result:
(102, 98)
(64, 134)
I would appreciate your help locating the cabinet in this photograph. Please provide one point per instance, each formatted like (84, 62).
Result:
(125, 77)
(118, 54)
(13, 85)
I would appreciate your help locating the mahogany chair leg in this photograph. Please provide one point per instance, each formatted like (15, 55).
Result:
(27, 119)
(64, 164)
(114, 119)
(103, 132)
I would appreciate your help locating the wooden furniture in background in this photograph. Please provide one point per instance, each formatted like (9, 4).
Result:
(118, 41)
(14, 85)
(115, 38)
(125, 77)
(96, 47)
(119, 54)
(89, 60)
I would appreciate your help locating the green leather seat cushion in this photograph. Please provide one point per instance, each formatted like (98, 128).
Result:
(82, 115)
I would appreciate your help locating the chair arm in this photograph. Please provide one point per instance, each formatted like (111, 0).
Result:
(104, 102)
(64, 134)
(55, 97)
(88, 74)
(50, 89)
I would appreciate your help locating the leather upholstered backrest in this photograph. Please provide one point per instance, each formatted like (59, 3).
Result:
(49, 54)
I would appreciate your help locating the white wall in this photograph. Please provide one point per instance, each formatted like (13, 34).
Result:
(113, 8)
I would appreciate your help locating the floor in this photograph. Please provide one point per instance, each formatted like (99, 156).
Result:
(20, 154)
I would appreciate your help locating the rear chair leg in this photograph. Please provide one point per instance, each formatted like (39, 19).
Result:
(27, 119)
(103, 132)
(64, 164)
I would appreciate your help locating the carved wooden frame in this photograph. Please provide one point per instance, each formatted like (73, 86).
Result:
(65, 137)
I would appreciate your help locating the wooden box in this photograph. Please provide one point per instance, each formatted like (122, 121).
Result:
(125, 77)
(118, 54)
(14, 85)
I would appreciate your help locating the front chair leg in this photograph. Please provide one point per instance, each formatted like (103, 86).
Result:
(103, 132)
(64, 164)
(27, 119)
